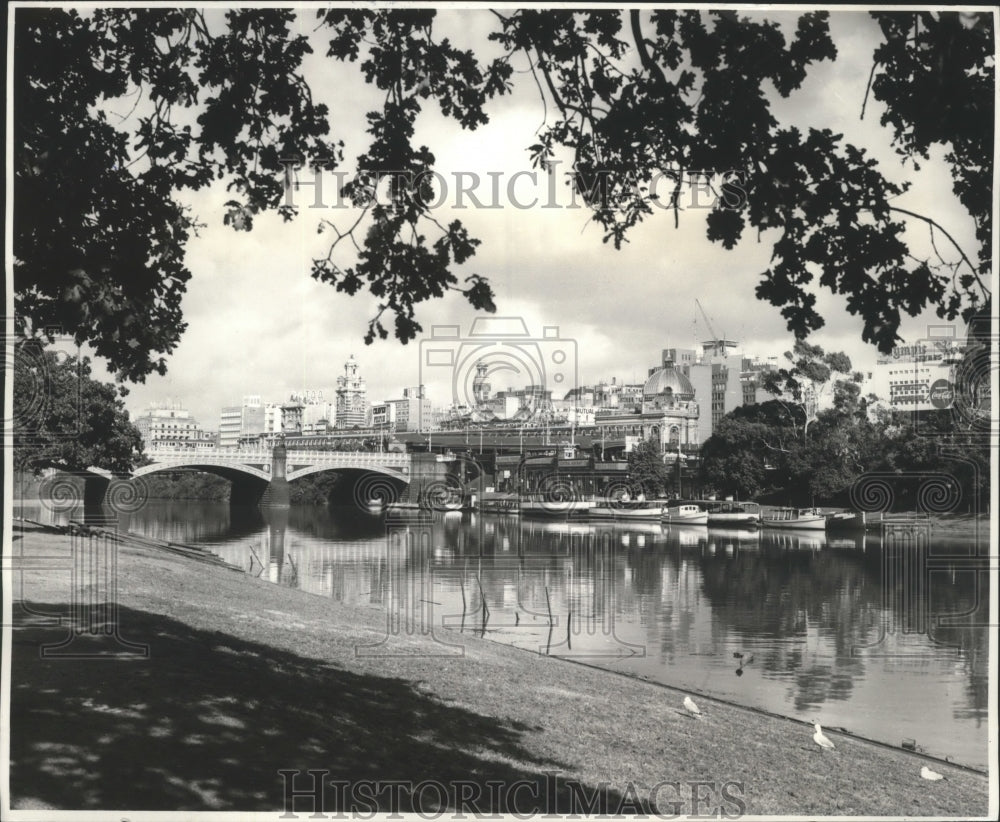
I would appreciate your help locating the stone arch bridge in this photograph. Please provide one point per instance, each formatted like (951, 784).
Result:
(261, 475)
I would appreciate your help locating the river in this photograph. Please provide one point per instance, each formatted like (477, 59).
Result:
(802, 624)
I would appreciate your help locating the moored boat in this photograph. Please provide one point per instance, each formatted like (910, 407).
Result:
(684, 514)
(801, 518)
(499, 503)
(539, 507)
(846, 521)
(729, 513)
(628, 511)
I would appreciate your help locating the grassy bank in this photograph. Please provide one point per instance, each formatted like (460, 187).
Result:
(244, 678)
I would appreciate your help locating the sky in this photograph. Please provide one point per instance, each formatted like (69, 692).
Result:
(259, 324)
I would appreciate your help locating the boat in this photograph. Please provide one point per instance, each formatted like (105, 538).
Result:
(499, 503)
(684, 514)
(538, 506)
(800, 518)
(628, 510)
(846, 521)
(730, 513)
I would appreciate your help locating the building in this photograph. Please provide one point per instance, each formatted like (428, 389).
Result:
(412, 412)
(722, 378)
(244, 421)
(667, 412)
(352, 397)
(170, 425)
(904, 378)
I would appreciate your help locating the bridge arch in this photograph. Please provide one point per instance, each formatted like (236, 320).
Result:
(227, 469)
(395, 473)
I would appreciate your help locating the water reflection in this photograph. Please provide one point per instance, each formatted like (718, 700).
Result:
(831, 628)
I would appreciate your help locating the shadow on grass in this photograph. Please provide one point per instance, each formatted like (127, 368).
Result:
(208, 720)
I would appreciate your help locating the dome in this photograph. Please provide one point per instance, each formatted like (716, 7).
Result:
(668, 381)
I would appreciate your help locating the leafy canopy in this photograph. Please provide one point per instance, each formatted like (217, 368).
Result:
(99, 232)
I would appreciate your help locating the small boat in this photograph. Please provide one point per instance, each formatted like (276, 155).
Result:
(729, 513)
(560, 509)
(499, 503)
(628, 511)
(684, 515)
(846, 521)
(803, 518)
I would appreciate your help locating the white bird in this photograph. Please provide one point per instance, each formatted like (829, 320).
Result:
(927, 773)
(692, 708)
(821, 738)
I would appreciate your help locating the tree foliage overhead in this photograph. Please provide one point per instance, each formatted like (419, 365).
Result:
(100, 234)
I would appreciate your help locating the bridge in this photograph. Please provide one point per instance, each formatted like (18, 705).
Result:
(260, 476)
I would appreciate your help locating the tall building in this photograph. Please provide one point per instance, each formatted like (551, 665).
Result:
(722, 378)
(238, 422)
(904, 377)
(170, 425)
(412, 412)
(352, 397)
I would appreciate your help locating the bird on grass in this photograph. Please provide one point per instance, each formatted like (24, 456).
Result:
(821, 738)
(692, 708)
(927, 773)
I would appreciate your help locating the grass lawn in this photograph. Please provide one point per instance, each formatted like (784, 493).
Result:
(244, 678)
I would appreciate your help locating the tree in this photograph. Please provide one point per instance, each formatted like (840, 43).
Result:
(637, 96)
(64, 419)
(749, 450)
(646, 470)
(808, 379)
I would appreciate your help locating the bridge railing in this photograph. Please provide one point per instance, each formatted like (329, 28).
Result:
(348, 458)
(353, 458)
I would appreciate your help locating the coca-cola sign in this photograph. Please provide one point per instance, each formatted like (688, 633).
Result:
(941, 394)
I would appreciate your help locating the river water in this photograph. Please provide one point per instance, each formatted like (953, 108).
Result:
(883, 636)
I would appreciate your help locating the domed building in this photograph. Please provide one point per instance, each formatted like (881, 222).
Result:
(666, 388)
(668, 412)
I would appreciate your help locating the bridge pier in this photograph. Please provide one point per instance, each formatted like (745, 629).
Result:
(246, 492)
(425, 469)
(277, 494)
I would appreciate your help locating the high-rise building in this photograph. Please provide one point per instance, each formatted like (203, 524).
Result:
(412, 412)
(904, 378)
(722, 378)
(352, 397)
(237, 422)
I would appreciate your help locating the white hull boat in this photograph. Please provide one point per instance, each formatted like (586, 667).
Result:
(802, 519)
(684, 515)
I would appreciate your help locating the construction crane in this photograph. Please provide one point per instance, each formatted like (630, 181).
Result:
(716, 341)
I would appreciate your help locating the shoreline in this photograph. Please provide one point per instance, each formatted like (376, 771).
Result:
(529, 714)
